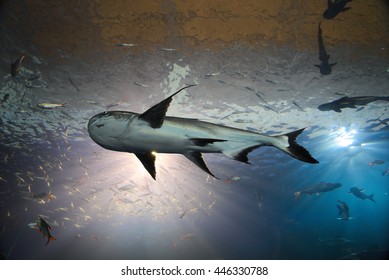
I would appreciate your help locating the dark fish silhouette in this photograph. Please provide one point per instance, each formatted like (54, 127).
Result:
(344, 212)
(360, 194)
(337, 242)
(371, 254)
(318, 188)
(5, 98)
(15, 67)
(350, 102)
(376, 162)
(335, 8)
(324, 66)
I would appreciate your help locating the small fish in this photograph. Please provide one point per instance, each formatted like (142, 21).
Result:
(15, 67)
(211, 205)
(337, 242)
(187, 237)
(50, 105)
(44, 196)
(259, 196)
(318, 188)
(183, 214)
(213, 74)
(272, 82)
(360, 194)
(168, 49)
(32, 225)
(74, 85)
(35, 77)
(45, 229)
(5, 98)
(141, 85)
(231, 179)
(109, 106)
(62, 209)
(260, 97)
(376, 162)
(125, 45)
(298, 106)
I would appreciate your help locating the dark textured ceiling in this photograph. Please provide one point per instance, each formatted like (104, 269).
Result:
(85, 26)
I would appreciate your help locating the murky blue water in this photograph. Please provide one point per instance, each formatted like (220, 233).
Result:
(102, 204)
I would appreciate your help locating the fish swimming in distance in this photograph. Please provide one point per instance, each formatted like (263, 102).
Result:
(318, 188)
(5, 98)
(336, 242)
(325, 66)
(335, 7)
(344, 212)
(45, 229)
(44, 196)
(360, 194)
(369, 254)
(376, 162)
(350, 102)
(153, 132)
(45, 105)
(15, 67)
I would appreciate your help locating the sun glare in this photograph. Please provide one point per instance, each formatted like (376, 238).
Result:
(344, 137)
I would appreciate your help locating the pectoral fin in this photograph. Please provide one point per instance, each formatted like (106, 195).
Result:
(156, 114)
(241, 154)
(202, 142)
(148, 161)
(197, 159)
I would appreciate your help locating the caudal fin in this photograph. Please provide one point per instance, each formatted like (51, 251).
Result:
(294, 149)
(50, 238)
(371, 197)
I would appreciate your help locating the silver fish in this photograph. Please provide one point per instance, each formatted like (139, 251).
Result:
(45, 105)
(152, 132)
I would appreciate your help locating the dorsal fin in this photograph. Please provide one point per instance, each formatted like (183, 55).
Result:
(156, 114)
(197, 158)
(148, 161)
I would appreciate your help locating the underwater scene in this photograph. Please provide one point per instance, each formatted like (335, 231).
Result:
(194, 130)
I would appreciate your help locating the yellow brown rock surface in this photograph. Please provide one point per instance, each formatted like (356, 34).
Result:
(91, 25)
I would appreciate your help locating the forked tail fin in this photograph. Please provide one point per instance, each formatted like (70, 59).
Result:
(294, 149)
(50, 238)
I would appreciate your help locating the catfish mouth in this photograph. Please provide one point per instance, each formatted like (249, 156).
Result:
(324, 107)
(107, 128)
